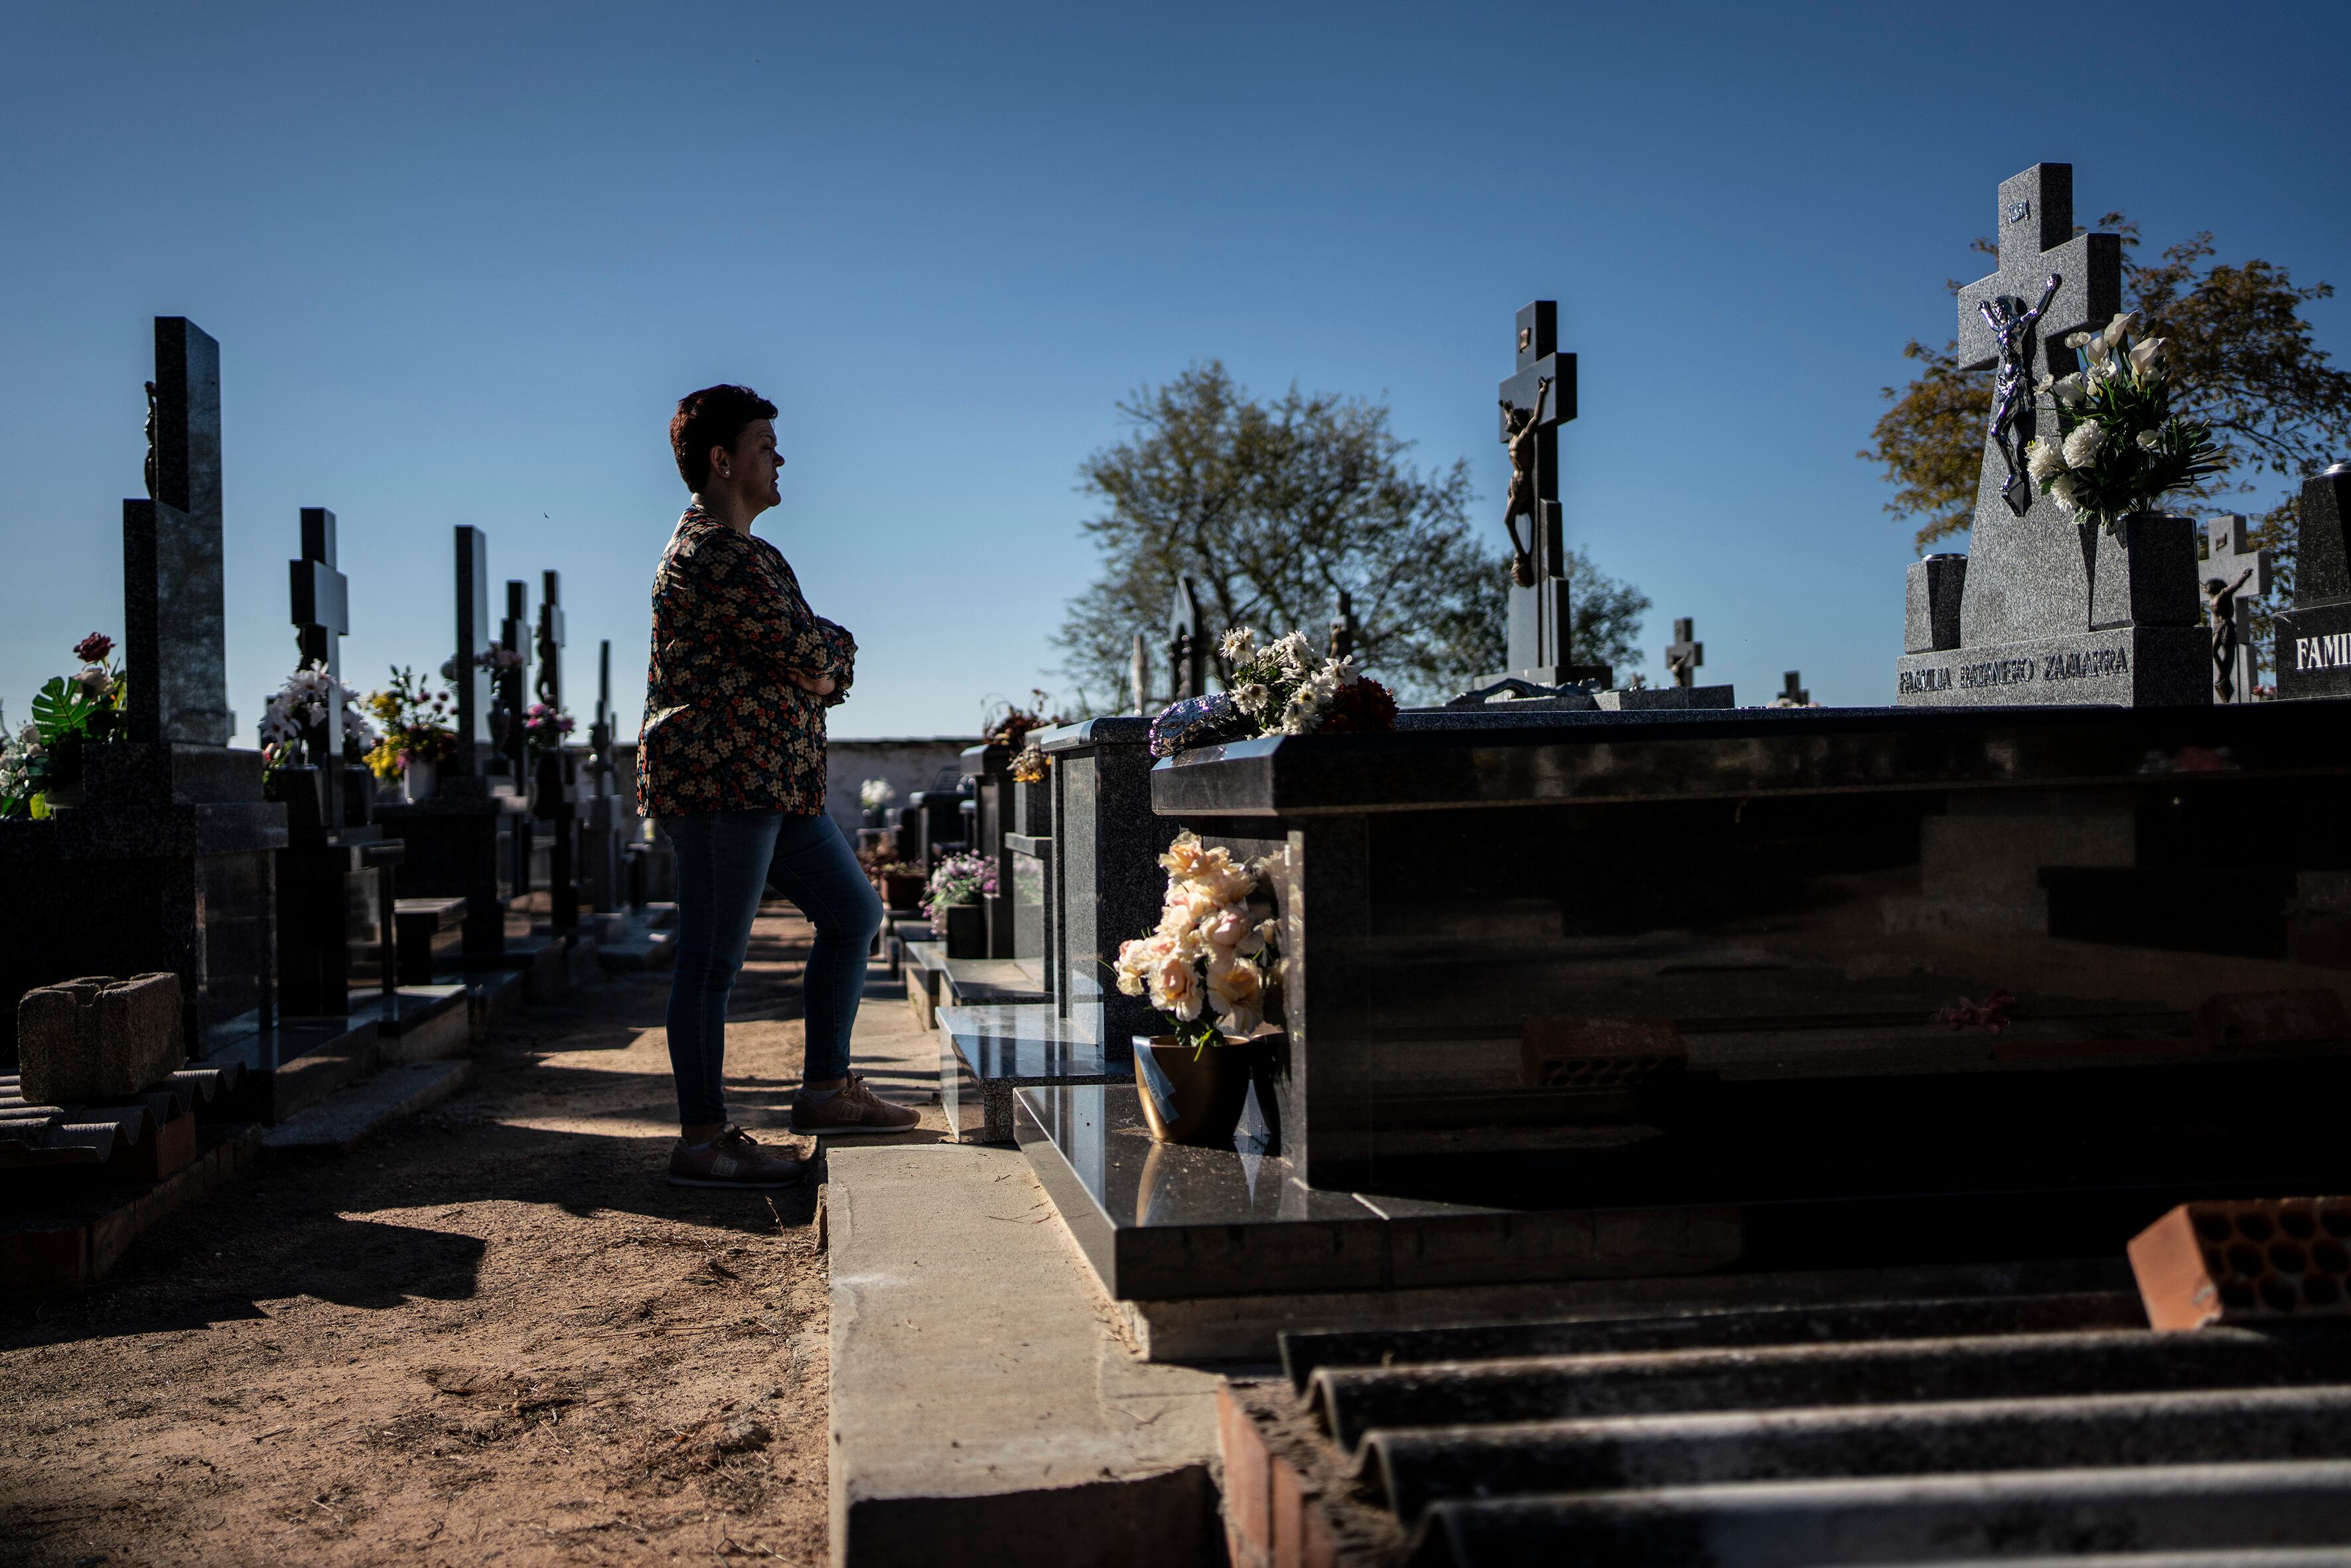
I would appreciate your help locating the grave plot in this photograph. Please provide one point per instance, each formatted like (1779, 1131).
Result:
(1572, 987)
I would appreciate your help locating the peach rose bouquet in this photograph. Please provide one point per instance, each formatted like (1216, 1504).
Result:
(1204, 966)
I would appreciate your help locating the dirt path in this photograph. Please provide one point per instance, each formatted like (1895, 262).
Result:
(494, 1333)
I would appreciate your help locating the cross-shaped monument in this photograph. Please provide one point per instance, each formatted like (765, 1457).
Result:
(1685, 653)
(322, 617)
(1343, 627)
(550, 640)
(1535, 400)
(2045, 608)
(515, 636)
(1792, 691)
(175, 632)
(1187, 645)
(466, 671)
(2235, 573)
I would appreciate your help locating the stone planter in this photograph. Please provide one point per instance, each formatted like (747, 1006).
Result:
(902, 891)
(966, 930)
(1195, 1094)
(2142, 571)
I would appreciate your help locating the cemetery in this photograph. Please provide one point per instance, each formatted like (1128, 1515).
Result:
(1571, 1119)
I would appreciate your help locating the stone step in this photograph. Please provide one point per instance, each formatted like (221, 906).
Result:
(1910, 1520)
(983, 1409)
(343, 1119)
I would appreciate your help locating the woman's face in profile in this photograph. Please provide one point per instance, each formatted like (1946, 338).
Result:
(752, 467)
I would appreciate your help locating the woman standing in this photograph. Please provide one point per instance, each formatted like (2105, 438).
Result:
(731, 764)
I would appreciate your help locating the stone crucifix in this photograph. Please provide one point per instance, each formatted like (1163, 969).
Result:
(1685, 653)
(1536, 400)
(2027, 571)
(2233, 571)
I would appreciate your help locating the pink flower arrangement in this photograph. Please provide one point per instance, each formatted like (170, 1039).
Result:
(1206, 956)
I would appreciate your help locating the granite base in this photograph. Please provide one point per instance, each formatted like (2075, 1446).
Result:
(1161, 1221)
(2134, 666)
(987, 1051)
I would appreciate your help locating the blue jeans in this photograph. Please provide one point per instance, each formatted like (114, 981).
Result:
(725, 861)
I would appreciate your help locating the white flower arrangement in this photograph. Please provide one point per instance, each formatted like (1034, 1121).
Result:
(1207, 954)
(876, 794)
(2118, 447)
(301, 702)
(17, 754)
(1281, 687)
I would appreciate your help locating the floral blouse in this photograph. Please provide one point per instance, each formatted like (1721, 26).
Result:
(724, 729)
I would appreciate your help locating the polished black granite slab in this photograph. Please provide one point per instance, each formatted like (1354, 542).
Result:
(1161, 1221)
(1577, 758)
(1775, 898)
(987, 1050)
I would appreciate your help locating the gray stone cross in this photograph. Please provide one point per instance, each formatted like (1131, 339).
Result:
(1187, 645)
(2027, 575)
(2052, 282)
(1684, 654)
(175, 629)
(1792, 691)
(2234, 573)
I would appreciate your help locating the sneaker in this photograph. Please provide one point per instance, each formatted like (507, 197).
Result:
(733, 1159)
(856, 1109)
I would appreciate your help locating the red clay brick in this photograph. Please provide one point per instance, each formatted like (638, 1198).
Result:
(1249, 1513)
(2257, 1261)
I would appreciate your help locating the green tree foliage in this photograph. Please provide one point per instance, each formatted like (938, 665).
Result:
(2248, 368)
(1272, 508)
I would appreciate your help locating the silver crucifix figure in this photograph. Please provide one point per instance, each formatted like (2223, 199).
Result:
(2011, 326)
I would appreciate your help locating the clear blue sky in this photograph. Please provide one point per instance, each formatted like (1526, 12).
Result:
(462, 260)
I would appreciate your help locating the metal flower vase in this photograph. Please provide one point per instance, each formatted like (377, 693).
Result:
(1195, 1094)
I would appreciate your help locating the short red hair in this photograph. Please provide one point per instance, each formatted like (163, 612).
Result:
(715, 416)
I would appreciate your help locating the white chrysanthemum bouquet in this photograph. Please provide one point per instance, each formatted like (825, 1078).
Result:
(2119, 447)
(1207, 957)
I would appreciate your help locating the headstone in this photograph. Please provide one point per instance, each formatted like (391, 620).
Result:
(1535, 400)
(602, 823)
(175, 629)
(1685, 653)
(2235, 573)
(1792, 691)
(1343, 627)
(166, 864)
(334, 875)
(2049, 609)
(515, 637)
(322, 617)
(469, 673)
(452, 838)
(554, 801)
(1188, 645)
(2314, 638)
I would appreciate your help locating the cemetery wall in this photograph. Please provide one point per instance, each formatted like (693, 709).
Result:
(910, 763)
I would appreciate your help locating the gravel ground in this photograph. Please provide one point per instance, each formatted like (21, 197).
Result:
(492, 1334)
